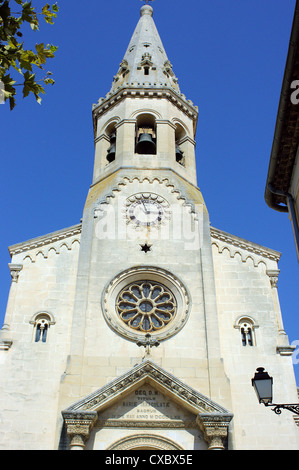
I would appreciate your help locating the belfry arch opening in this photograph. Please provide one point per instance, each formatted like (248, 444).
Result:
(180, 133)
(111, 133)
(146, 135)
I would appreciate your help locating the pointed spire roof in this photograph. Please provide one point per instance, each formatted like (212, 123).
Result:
(145, 71)
(145, 63)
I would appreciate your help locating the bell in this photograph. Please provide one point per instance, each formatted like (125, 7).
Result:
(145, 144)
(178, 155)
(111, 151)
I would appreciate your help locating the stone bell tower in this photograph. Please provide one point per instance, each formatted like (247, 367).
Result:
(154, 322)
(146, 257)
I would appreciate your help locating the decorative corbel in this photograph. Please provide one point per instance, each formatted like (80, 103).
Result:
(273, 275)
(15, 271)
(215, 428)
(78, 427)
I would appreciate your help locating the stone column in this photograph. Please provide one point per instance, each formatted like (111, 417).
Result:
(78, 427)
(215, 428)
(165, 141)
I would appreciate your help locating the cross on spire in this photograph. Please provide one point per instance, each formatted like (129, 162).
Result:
(147, 1)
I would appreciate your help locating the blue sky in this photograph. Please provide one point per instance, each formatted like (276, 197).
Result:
(229, 57)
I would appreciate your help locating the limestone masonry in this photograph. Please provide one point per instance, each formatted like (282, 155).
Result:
(142, 326)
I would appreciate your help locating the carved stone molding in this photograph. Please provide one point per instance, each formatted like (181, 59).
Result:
(78, 426)
(215, 428)
(150, 274)
(121, 182)
(236, 244)
(5, 344)
(48, 239)
(212, 419)
(149, 424)
(273, 275)
(133, 90)
(148, 372)
(286, 350)
(15, 271)
(143, 441)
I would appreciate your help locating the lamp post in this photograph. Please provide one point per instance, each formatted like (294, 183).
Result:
(263, 384)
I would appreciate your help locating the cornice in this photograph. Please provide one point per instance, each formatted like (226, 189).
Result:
(150, 424)
(111, 99)
(240, 243)
(45, 239)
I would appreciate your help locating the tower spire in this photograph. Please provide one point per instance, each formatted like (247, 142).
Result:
(145, 63)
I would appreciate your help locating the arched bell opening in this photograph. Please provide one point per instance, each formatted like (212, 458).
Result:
(111, 133)
(146, 135)
(180, 133)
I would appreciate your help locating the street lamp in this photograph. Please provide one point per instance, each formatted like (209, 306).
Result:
(263, 384)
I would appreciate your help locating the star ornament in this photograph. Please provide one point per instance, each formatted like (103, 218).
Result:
(145, 247)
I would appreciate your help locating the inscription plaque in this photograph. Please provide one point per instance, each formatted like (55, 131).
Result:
(147, 407)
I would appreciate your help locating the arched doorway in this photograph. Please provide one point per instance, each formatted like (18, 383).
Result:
(144, 442)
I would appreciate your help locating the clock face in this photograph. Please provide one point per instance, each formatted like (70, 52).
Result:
(146, 209)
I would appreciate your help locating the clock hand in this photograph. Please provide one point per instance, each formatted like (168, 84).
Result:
(146, 211)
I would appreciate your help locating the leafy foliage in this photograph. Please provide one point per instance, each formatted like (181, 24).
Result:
(13, 55)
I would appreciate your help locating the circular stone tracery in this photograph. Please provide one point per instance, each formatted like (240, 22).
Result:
(174, 314)
(146, 306)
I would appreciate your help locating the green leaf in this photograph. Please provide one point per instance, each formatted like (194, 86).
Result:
(30, 85)
(49, 81)
(27, 59)
(9, 90)
(52, 48)
(28, 13)
(48, 14)
(14, 56)
(5, 11)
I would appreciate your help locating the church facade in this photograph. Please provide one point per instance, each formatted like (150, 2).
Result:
(142, 326)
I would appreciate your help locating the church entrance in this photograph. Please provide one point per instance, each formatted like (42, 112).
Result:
(146, 408)
(145, 442)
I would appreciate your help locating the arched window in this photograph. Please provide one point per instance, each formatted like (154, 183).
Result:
(246, 326)
(41, 330)
(146, 135)
(111, 132)
(246, 334)
(41, 324)
(180, 133)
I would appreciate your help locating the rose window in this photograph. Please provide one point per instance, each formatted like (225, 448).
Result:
(146, 306)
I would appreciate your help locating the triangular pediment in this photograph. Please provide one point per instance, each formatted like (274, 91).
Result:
(146, 407)
(157, 382)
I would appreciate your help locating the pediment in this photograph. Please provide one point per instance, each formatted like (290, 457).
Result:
(149, 377)
(147, 407)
